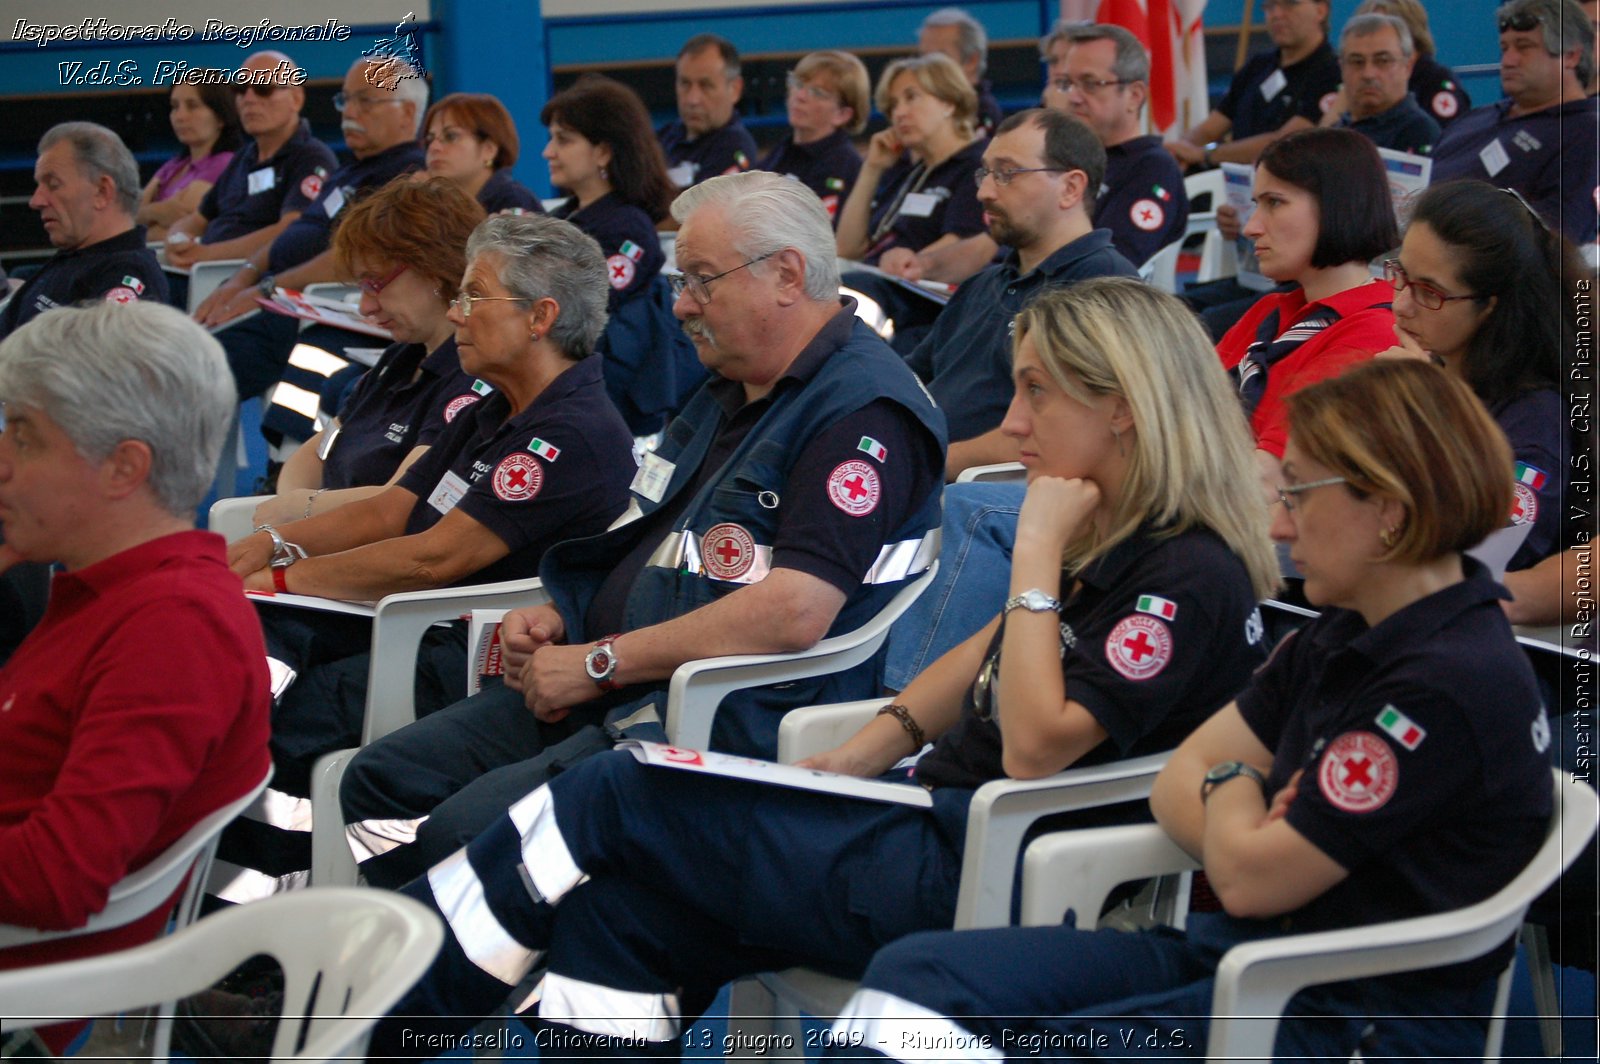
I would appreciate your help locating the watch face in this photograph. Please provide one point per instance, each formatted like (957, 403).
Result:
(599, 664)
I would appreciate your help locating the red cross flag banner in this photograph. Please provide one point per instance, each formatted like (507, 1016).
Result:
(1173, 32)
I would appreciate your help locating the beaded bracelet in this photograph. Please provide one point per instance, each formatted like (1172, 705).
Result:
(903, 715)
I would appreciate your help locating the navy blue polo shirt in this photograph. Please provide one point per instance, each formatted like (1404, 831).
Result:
(1425, 751)
(118, 269)
(1264, 95)
(1142, 201)
(827, 167)
(1437, 90)
(989, 113)
(915, 205)
(728, 150)
(403, 402)
(814, 536)
(502, 192)
(627, 237)
(307, 236)
(965, 359)
(1160, 632)
(558, 470)
(1549, 156)
(1535, 425)
(1403, 127)
(252, 194)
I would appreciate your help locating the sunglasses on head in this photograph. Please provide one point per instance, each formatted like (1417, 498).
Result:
(262, 91)
(1521, 22)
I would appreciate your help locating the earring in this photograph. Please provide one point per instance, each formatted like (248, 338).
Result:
(604, 174)
(1388, 536)
(534, 336)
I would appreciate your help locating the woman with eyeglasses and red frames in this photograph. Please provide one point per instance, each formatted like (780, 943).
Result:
(532, 453)
(206, 123)
(471, 139)
(1485, 289)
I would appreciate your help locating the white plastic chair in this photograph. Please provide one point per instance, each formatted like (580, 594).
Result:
(1255, 980)
(347, 958)
(1161, 271)
(207, 277)
(1000, 816)
(232, 518)
(1001, 472)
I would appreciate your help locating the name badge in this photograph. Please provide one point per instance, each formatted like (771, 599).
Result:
(262, 179)
(918, 205)
(334, 203)
(654, 474)
(1494, 157)
(1273, 85)
(682, 175)
(447, 493)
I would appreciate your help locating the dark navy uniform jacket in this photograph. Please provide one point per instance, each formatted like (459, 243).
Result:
(627, 237)
(307, 236)
(914, 206)
(728, 150)
(1161, 633)
(1549, 156)
(558, 469)
(389, 414)
(119, 269)
(502, 192)
(989, 113)
(966, 358)
(1142, 201)
(1424, 746)
(1437, 90)
(1536, 427)
(827, 167)
(1263, 95)
(1403, 127)
(252, 194)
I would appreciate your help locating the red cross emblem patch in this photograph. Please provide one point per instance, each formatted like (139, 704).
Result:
(122, 294)
(854, 488)
(1147, 215)
(458, 404)
(619, 271)
(727, 551)
(1445, 104)
(310, 186)
(1524, 505)
(1358, 772)
(1139, 647)
(518, 478)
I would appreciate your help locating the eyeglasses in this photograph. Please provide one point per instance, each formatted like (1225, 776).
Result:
(1535, 215)
(1427, 296)
(1086, 85)
(816, 92)
(1521, 22)
(1286, 495)
(264, 91)
(344, 101)
(449, 136)
(1382, 62)
(464, 302)
(1003, 177)
(373, 287)
(699, 285)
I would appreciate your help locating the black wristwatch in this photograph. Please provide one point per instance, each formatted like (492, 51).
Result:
(1219, 774)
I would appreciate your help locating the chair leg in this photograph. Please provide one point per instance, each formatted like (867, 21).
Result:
(751, 1017)
(1536, 942)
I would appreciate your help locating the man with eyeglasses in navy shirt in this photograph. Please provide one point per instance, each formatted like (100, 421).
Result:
(1376, 53)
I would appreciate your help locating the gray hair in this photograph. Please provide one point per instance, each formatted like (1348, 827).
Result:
(973, 40)
(108, 372)
(1565, 26)
(541, 257)
(409, 86)
(768, 213)
(1132, 62)
(99, 152)
(1367, 25)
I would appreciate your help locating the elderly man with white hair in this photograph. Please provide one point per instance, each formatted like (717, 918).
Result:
(105, 760)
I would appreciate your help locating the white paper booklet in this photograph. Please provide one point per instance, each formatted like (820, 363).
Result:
(768, 772)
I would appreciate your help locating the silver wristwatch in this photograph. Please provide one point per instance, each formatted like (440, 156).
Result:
(284, 553)
(1034, 601)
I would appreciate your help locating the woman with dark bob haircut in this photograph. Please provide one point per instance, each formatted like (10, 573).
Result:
(1477, 287)
(206, 123)
(470, 139)
(605, 157)
(1323, 212)
(1387, 762)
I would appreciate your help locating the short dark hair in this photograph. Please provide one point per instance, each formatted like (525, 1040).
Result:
(218, 99)
(1068, 144)
(701, 41)
(603, 111)
(1344, 174)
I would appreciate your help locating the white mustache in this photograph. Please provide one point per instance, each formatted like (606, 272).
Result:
(697, 328)
(350, 125)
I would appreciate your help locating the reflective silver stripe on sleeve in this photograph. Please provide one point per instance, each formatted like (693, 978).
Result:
(279, 810)
(610, 1013)
(458, 892)
(241, 885)
(896, 561)
(544, 851)
(904, 1030)
(373, 838)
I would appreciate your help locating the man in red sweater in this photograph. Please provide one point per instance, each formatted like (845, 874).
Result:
(140, 702)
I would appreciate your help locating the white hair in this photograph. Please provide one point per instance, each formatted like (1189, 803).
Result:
(769, 213)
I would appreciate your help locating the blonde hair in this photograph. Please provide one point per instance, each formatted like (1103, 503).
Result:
(848, 77)
(940, 77)
(1193, 461)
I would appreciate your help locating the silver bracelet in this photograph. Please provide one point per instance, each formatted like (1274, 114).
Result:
(311, 499)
